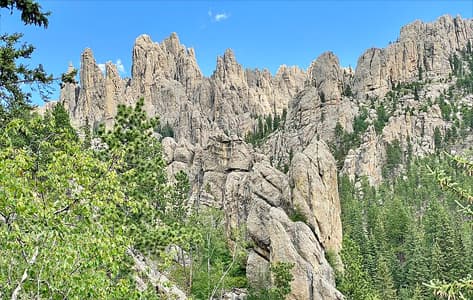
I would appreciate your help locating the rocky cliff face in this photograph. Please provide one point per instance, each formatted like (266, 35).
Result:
(167, 76)
(315, 111)
(210, 117)
(230, 175)
(421, 48)
(422, 55)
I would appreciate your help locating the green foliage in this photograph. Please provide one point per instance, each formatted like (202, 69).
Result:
(216, 267)
(445, 107)
(456, 65)
(166, 130)
(345, 141)
(131, 141)
(416, 94)
(464, 75)
(284, 116)
(69, 213)
(347, 91)
(408, 232)
(15, 73)
(281, 278)
(359, 122)
(69, 77)
(265, 126)
(331, 257)
(437, 138)
(177, 205)
(454, 281)
(136, 156)
(354, 282)
(460, 289)
(61, 213)
(382, 119)
(393, 158)
(406, 88)
(31, 13)
(384, 280)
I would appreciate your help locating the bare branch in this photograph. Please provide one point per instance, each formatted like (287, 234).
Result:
(226, 271)
(31, 261)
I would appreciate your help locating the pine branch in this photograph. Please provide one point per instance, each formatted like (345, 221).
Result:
(460, 289)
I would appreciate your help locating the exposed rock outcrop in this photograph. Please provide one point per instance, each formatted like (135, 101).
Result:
(415, 132)
(421, 47)
(149, 274)
(313, 176)
(254, 195)
(167, 76)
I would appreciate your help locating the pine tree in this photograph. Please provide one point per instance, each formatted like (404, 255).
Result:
(437, 262)
(353, 282)
(136, 155)
(417, 263)
(15, 73)
(437, 138)
(384, 280)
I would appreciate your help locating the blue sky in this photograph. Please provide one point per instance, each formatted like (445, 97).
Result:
(263, 34)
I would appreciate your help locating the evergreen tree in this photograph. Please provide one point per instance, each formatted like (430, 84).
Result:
(417, 263)
(15, 73)
(354, 282)
(437, 138)
(276, 122)
(381, 120)
(437, 262)
(384, 280)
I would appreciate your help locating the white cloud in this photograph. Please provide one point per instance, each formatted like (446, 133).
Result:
(220, 17)
(120, 66)
(102, 67)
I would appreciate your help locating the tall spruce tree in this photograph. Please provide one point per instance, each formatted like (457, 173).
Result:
(15, 72)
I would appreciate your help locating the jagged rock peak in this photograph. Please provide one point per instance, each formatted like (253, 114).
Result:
(445, 22)
(111, 70)
(143, 38)
(172, 44)
(228, 69)
(284, 69)
(421, 46)
(169, 59)
(326, 75)
(90, 74)
(229, 56)
(87, 53)
(87, 59)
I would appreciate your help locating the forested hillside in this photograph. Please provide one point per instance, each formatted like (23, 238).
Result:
(407, 233)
